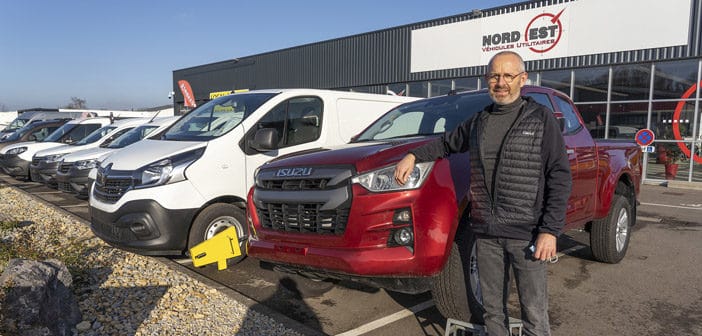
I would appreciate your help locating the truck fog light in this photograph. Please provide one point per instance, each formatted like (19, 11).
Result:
(403, 236)
(402, 216)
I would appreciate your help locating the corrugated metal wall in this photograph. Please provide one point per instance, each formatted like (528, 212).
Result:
(383, 57)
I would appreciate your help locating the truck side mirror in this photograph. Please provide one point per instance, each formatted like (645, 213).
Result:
(265, 139)
(561, 120)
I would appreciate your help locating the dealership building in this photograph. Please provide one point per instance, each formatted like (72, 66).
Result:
(628, 65)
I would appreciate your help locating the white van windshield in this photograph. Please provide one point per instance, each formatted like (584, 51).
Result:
(216, 117)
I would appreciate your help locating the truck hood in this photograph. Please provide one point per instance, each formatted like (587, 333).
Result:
(87, 154)
(364, 156)
(144, 152)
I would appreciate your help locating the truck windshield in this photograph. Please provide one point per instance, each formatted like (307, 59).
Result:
(216, 117)
(132, 136)
(426, 117)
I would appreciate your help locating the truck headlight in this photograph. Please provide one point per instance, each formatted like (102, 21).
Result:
(16, 151)
(169, 170)
(53, 158)
(384, 179)
(85, 164)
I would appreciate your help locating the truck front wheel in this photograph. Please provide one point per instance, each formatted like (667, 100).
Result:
(456, 290)
(215, 219)
(609, 237)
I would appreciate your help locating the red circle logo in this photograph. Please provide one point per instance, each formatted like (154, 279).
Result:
(547, 26)
(676, 124)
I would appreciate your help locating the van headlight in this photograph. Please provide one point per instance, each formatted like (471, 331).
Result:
(85, 164)
(17, 151)
(169, 170)
(53, 158)
(384, 179)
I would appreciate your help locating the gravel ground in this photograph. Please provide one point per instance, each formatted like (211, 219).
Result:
(121, 293)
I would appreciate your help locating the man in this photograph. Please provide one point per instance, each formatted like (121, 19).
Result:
(519, 189)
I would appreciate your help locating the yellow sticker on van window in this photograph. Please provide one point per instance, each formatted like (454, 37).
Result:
(214, 95)
(220, 108)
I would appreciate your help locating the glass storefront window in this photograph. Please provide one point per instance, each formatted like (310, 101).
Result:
(440, 88)
(672, 79)
(594, 117)
(559, 80)
(398, 89)
(631, 82)
(417, 89)
(664, 123)
(590, 84)
(466, 84)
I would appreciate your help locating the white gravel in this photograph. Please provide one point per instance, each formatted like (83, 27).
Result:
(127, 294)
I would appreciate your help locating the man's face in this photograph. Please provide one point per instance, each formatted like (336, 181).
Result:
(505, 79)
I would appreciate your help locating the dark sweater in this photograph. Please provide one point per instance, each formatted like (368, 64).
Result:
(500, 119)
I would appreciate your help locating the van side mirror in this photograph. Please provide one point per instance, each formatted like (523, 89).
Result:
(265, 139)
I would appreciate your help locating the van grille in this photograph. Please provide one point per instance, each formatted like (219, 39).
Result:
(304, 218)
(65, 167)
(65, 187)
(110, 190)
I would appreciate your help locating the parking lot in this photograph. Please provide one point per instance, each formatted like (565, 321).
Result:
(655, 290)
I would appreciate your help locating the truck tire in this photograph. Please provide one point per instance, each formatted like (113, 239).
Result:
(609, 237)
(215, 219)
(451, 296)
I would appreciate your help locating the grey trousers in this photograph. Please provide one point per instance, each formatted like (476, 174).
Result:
(495, 257)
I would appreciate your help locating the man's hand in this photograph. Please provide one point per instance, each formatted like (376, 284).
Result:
(545, 247)
(404, 169)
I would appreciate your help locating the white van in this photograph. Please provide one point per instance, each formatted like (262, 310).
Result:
(72, 175)
(164, 196)
(16, 158)
(45, 162)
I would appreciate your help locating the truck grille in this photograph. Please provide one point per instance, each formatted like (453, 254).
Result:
(65, 167)
(300, 184)
(303, 217)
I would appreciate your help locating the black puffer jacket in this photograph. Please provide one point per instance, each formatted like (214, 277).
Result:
(532, 180)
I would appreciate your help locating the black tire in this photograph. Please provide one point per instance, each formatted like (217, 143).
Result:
(451, 296)
(609, 237)
(216, 218)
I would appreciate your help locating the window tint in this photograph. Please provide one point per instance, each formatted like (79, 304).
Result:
(542, 99)
(297, 121)
(572, 123)
(426, 117)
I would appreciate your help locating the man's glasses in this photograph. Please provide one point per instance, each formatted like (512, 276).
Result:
(494, 78)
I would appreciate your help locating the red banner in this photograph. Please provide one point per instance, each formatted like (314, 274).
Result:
(188, 96)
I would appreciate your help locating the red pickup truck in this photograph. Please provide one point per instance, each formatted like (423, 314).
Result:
(337, 212)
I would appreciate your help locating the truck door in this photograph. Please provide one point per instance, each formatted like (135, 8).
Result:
(298, 122)
(581, 150)
(543, 99)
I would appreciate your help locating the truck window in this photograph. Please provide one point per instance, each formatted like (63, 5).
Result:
(426, 117)
(542, 99)
(297, 121)
(572, 123)
(216, 117)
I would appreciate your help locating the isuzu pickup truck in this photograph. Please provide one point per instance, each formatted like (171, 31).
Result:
(337, 213)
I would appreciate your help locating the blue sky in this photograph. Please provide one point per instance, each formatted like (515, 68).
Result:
(121, 54)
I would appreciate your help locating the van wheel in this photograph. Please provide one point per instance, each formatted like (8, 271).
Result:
(609, 237)
(215, 219)
(453, 298)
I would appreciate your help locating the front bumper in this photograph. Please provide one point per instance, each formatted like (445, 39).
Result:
(73, 180)
(44, 172)
(14, 166)
(144, 227)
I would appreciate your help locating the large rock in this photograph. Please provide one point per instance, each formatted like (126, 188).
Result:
(37, 298)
